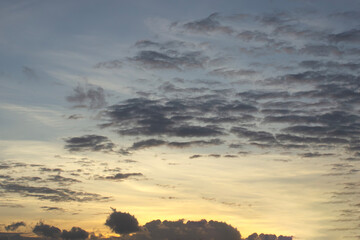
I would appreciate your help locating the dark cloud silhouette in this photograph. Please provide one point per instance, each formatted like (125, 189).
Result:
(170, 60)
(44, 230)
(351, 15)
(263, 236)
(321, 50)
(45, 169)
(152, 117)
(122, 223)
(52, 232)
(146, 44)
(230, 119)
(191, 230)
(315, 154)
(256, 136)
(75, 116)
(89, 96)
(168, 45)
(51, 194)
(254, 36)
(350, 36)
(75, 233)
(314, 64)
(16, 236)
(207, 25)
(211, 142)
(263, 95)
(47, 208)
(89, 143)
(14, 226)
(230, 73)
(121, 176)
(114, 64)
(169, 88)
(156, 142)
(147, 143)
(62, 180)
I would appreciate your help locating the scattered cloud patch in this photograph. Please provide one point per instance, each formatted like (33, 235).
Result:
(93, 142)
(14, 226)
(88, 96)
(122, 223)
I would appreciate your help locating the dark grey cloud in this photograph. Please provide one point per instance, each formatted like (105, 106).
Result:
(16, 236)
(75, 233)
(330, 65)
(4, 166)
(146, 44)
(75, 116)
(168, 45)
(346, 14)
(255, 136)
(321, 50)
(114, 64)
(29, 73)
(44, 230)
(298, 31)
(47, 208)
(318, 79)
(211, 24)
(349, 36)
(62, 180)
(336, 118)
(154, 117)
(122, 223)
(51, 194)
(262, 95)
(92, 142)
(197, 131)
(121, 176)
(307, 77)
(211, 142)
(288, 24)
(258, 36)
(319, 131)
(157, 142)
(231, 73)
(10, 165)
(89, 96)
(7, 177)
(170, 59)
(45, 169)
(263, 236)
(316, 154)
(195, 156)
(14, 226)
(229, 119)
(310, 140)
(191, 230)
(169, 87)
(276, 18)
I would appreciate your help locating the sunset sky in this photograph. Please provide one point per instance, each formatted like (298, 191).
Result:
(245, 112)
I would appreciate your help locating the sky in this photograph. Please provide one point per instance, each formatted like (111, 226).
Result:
(154, 119)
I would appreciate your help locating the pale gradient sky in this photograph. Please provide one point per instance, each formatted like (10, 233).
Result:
(245, 112)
